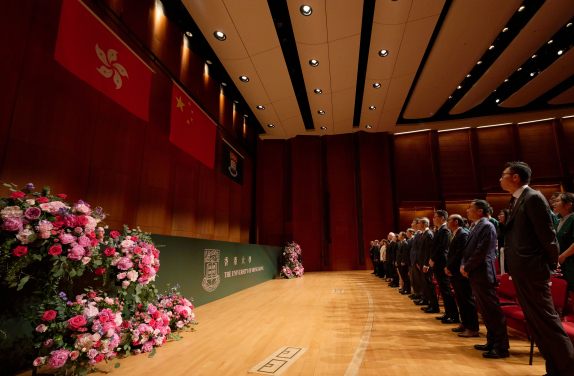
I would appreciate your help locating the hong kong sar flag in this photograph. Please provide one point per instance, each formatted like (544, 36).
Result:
(191, 129)
(91, 51)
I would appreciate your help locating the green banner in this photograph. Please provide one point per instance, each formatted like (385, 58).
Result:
(208, 270)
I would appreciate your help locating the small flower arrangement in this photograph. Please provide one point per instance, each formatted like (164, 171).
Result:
(178, 309)
(293, 267)
(79, 333)
(146, 330)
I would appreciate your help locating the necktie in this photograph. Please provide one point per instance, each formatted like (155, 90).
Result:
(512, 201)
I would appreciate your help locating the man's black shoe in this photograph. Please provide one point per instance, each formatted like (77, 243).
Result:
(412, 296)
(425, 308)
(441, 317)
(405, 292)
(486, 347)
(417, 297)
(422, 302)
(450, 321)
(496, 354)
(432, 310)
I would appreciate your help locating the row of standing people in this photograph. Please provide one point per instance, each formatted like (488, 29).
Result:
(465, 258)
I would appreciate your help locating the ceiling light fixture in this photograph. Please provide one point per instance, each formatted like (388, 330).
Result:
(245, 115)
(306, 10)
(421, 130)
(479, 62)
(208, 62)
(318, 91)
(468, 75)
(505, 30)
(223, 84)
(534, 56)
(560, 52)
(498, 100)
(550, 41)
(368, 126)
(324, 128)
(321, 112)
(189, 34)
(372, 108)
(506, 80)
(569, 24)
(535, 121)
(519, 69)
(244, 78)
(567, 117)
(270, 125)
(260, 107)
(313, 62)
(491, 47)
(377, 85)
(450, 97)
(459, 87)
(236, 102)
(532, 74)
(521, 8)
(455, 129)
(383, 53)
(219, 36)
(494, 125)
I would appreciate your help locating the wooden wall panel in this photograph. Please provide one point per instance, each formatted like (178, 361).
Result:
(406, 216)
(455, 158)
(495, 149)
(414, 174)
(343, 248)
(568, 126)
(306, 199)
(498, 201)
(538, 147)
(247, 201)
(457, 207)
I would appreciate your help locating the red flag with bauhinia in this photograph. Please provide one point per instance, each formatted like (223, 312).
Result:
(191, 129)
(90, 50)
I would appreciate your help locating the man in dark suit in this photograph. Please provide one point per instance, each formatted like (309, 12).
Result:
(391, 253)
(406, 264)
(531, 252)
(478, 266)
(439, 250)
(377, 258)
(424, 260)
(415, 241)
(461, 285)
(401, 265)
(372, 254)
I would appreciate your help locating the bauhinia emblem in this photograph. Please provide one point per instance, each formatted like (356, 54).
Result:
(232, 164)
(211, 270)
(111, 68)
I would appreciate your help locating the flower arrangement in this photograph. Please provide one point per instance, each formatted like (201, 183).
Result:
(147, 329)
(38, 226)
(178, 309)
(293, 267)
(79, 333)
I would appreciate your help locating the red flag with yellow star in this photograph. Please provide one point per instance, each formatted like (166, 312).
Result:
(191, 129)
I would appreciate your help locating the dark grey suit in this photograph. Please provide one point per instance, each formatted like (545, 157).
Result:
(423, 260)
(478, 261)
(531, 250)
(439, 250)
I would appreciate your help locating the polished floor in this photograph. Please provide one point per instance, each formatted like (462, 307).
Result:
(346, 334)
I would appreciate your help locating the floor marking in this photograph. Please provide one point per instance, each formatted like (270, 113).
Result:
(362, 347)
(277, 363)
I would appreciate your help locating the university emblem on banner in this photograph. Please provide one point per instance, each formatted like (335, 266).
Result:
(232, 164)
(211, 270)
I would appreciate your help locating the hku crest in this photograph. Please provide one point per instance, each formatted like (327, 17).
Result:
(232, 164)
(211, 270)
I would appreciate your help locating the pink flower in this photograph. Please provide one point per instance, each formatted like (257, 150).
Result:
(79, 230)
(82, 209)
(151, 309)
(147, 347)
(49, 315)
(121, 276)
(31, 201)
(85, 260)
(108, 301)
(52, 207)
(84, 241)
(48, 342)
(126, 244)
(125, 283)
(84, 341)
(33, 213)
(23, 235)
(13, 224)
(179, 324)
(146, 260)
(74, 354)
(76, 253)
(58, 358)
(41, 328)
(92, 353)
(38, 361)
(125, 263)
(67, 238)
(132, 275)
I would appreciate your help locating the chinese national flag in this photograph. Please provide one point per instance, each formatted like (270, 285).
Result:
(90, 50)
(191, 129)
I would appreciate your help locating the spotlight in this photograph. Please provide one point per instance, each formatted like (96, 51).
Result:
(372, 108)
(505, 30)
(519, 69)
(306, 10)
(223, 84)
(480, 62)
(498, 100)
(569, 24)
(244, 78)
(189, 34)
(320, 112)
(534, 56)
(368, 126)
(219, 35)
(245, 115)
(459, 87)
(383, 53)
(450, 97)
(260, 107)
(560, 52)
(208, 62)
(491, 47)
(270, 125)
(318, 91)
(236, 102)
(532, 74)
(323, 128)
(550, 41)
(521, 8)
(377, 85)
(313, 63)
(506, 80)
(468, 75)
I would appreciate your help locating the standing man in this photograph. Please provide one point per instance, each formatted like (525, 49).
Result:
(402, 263)
(531, 252)
(376, 258)
(478, 266)
(462, 289)
(391, 268)
(415, 241)
(439, 250)
(372, 253)
(424, 260)
(407, 261)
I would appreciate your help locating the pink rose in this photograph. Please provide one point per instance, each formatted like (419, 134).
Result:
(67, 238)
(132, 275)
(147, 347)
(48, 342)
(84, 241)
(76, 322)
(38, 361)
(41, 328)
(49, 315)
(33, 213)
(78, 230)
(76, 253)
(125, 263)
(74, 354)
(85, 260)
(146, 260)
(125, 283)
(13, 224)
(58, 358)
(55, 250)
(121, 276)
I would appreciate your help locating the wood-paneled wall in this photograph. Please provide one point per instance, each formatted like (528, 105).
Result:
(57, 130)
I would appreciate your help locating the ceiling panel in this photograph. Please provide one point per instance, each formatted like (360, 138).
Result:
(311, 29)
(564, 98)
(562, 69)
(344, 62)
(552, 16)
(287, 108)
(321, 103)
(384, 37)
(392, 12)
(253, 91)
(466, 33)
(272, 71)
(344, 18)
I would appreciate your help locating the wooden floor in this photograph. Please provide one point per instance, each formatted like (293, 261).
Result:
(239, 331)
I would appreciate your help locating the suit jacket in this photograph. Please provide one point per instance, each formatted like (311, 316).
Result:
(415, 243)
(530, 245)
(424, 252)
(391, 252)
(372, 252)
(479, 253)
(407, 252)
(376, 253)
(455, 251)
(439, 246)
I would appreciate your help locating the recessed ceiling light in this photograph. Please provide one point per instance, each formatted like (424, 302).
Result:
(521, 8)
(480, 62)
(534, 56)
(459, 87)
(313, 63)
(494, 91)
(468, 75)
(506, 80)
(368, 126)
(260, 107)
(244, 78)
(550, 41)
(321, 112)
(208, 62)
(519, 69)
(270, 125)
(505, 30)
(323, 128)
(318, 91)
(569, 24)
(491, 47)
(189, 34)
(372, 108)
(219, 35)
(532, 74)
(376, 85)
(450, 97)
(498, 100)
(560, 52)
(306, 10)
(383, 53)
